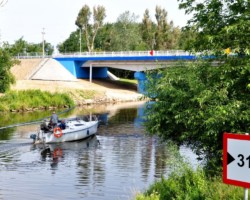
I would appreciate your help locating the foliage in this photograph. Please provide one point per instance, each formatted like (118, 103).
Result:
(193, 185)
(29, 99)
(22, 47)
(148, 29)
(184, 181)
(197, 103)
(125, 34)
(72, 44)
(188, 185)
(90, 30)
(153, 196)
(187, 38)
(219, 25)
(162, 35)
(104, 37)
(6, 77)
(187, 182)
(166, 34)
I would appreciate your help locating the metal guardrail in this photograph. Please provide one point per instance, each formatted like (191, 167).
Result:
(108, 54)
(125, 53)
(31, 57)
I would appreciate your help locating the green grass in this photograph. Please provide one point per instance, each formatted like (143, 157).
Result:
(193, 185)
(30, 99)
(128, 81)
(185, 182)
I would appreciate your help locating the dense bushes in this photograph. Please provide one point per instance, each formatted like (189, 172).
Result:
(198, 103)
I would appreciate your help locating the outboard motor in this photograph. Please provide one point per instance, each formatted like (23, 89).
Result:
(33, 136)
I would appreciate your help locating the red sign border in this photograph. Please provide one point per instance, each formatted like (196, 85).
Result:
(226, 136)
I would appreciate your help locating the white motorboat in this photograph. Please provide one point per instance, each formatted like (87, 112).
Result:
(75, 129)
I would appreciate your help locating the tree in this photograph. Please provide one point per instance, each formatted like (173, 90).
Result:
(6, 77)
(162, 27)
(102, 40)
(110, 36)
(90, 30)
(198, 103)
(174, 37)
(6, 62)
(19, 47)
(126, 35)
(162, 35)
(187, 38)
(148, 30)
(72, 44)
(22, 47)
(104, 37)
(219, 24)
(166, 35)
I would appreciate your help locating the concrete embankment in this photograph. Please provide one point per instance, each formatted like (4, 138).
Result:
(46, 69)
(49, 75)
(24, 69)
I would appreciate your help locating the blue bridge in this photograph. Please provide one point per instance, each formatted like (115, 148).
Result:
(91, 65)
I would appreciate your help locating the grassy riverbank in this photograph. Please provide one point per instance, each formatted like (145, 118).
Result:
(191, 185)
(48, 98)
(188, 182)
(28, 95)
(28, 100)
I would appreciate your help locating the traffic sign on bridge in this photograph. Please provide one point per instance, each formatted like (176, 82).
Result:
(236, 159)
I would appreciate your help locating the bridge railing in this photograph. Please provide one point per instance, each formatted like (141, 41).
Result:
(106, 54)
(31, 55)
(124, 53)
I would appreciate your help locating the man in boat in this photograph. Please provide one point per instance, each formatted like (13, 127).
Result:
(44, 126)
(62, 124)
(54, 119)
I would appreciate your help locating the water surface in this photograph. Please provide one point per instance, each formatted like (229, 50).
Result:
(115, 164)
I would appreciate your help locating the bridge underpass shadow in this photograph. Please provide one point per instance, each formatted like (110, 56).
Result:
(115, 84)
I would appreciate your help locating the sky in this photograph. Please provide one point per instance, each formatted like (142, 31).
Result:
(56, 18)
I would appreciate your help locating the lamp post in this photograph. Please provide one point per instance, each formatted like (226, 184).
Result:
(80, 40)
(43, 32)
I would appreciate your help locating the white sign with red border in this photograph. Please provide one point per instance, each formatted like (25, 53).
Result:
(236, 159)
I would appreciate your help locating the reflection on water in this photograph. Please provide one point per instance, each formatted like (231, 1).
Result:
(115, 164)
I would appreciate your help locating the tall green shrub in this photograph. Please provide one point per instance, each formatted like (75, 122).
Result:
(6, 77)
(197, 103)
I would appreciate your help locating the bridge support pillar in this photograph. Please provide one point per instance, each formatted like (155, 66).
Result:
(141, 78)
(90, 73)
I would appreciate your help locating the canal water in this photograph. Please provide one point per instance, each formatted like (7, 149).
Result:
(118, 162)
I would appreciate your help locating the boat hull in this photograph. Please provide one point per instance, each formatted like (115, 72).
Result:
(72, 134)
